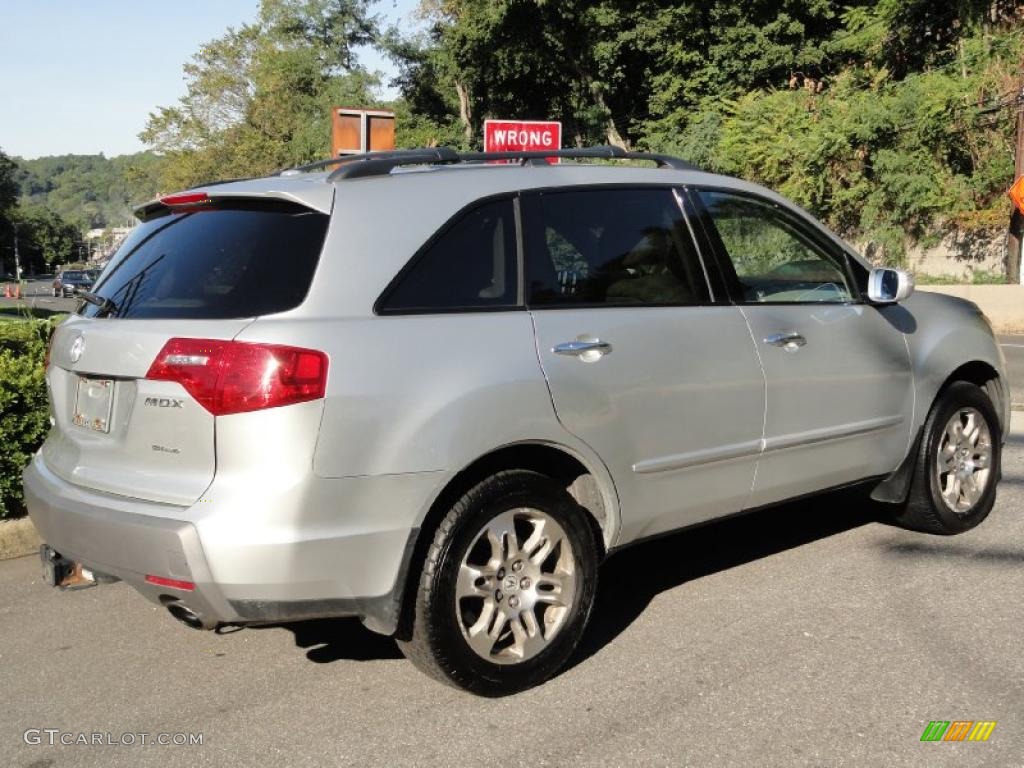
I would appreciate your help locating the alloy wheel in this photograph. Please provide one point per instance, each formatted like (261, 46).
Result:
(964, 460)
(516, 586)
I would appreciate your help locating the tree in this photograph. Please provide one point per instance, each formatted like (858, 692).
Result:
(612, 68)
(887, 118)
(259, 98)
(45, 239)
(8, 198)
(8, 183)
(90, 191)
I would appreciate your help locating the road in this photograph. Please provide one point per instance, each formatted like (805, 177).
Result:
(38, 294)
(810, 634)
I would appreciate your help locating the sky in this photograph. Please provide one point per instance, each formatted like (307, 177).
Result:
(81, 77)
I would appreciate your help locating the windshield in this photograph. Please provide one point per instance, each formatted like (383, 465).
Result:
(233, 260)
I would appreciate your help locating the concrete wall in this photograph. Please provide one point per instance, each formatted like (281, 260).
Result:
(960, 254)
(1002, 304)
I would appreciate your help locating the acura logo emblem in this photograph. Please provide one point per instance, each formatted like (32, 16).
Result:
(77, 348)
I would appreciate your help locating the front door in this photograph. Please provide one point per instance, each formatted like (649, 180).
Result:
(661, 381)
(840, 390)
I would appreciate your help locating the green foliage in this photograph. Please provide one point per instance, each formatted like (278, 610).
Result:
(24, 410)
(89, 191)
(44, 238)
(8, 197)
(8, 183)
(881, 159)
(887, 118)
(43, 235)
(258, 99)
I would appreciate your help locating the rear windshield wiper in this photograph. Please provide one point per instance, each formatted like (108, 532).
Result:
(106, 305)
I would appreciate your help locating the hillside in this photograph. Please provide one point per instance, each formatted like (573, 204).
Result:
(88, 191)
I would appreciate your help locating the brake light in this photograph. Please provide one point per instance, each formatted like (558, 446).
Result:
(161, 581)
(236, 377)
(186, 199)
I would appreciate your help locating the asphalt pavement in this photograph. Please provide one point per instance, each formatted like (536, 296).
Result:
(38, 294)
(809, 634)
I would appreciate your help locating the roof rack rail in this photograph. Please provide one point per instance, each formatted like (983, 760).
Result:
(361, 157)
(605, 152)
(383, 162)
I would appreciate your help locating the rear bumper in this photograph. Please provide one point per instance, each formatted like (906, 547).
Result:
(125, 538)
(246, 566)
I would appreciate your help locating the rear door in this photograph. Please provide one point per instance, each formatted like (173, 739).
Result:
(202, 273)
(642, 364)
(840, 394)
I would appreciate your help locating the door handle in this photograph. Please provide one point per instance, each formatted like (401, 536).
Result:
(587, 350)
(790, 340)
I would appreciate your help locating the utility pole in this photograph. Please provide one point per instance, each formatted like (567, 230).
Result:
(1016, 234)
(17, 262)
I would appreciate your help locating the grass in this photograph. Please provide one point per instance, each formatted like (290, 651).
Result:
(25, 312)
(977, 277)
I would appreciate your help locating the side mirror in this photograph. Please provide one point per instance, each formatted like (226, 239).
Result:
(888, 286)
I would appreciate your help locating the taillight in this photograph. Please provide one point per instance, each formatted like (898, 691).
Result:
(235, 377)
(186, 199)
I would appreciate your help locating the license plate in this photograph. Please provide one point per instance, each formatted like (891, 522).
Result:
(93, 403)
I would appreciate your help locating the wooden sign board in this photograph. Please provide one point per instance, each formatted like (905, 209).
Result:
(355, 130)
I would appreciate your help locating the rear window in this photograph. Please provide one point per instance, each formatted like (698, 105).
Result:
(73, 275)
(233, 260)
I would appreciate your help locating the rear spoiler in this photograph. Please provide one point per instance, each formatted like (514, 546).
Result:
(317, 196)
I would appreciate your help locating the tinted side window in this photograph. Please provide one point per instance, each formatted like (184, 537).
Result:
(610, 246)
(772, 260)
(234, 259)
(470, 264)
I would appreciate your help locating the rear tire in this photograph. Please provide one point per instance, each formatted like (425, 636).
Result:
(958, 461)
(507, 586)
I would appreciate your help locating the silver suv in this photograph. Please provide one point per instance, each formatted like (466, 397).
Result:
(434, 391)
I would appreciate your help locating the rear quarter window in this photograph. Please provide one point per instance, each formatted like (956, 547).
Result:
(470, 264)
(232, 260)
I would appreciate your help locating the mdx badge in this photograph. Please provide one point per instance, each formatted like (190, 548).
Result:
(165, 402)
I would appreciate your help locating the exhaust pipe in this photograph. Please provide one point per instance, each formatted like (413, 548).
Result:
(184, 614)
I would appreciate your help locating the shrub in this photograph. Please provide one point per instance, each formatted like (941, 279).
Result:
(24, 410)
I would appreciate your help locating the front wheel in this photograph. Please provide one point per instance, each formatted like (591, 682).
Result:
(507, 586)
(954, 486)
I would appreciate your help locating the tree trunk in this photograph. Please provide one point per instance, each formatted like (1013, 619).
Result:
(611, 132)
(612, 135)
(1013, 243)
(465, 112)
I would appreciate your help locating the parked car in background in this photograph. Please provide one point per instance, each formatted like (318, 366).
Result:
(67, 281)
(435, 392)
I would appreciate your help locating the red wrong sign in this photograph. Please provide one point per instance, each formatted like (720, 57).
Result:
(522, 135)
